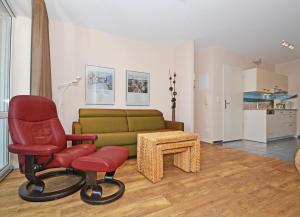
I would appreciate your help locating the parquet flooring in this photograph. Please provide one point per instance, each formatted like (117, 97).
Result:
(231, 183)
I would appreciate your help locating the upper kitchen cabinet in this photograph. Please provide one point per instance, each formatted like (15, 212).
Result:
(280, 82)
(264, 81)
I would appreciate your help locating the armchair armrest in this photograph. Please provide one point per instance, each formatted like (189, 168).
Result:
(76, 128)
(174, 125)
(80, 137)
(33, 149)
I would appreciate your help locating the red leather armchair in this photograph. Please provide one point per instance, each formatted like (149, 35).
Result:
(41, 143)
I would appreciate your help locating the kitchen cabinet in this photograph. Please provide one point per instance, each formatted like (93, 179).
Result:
(283, 123)
(264, 81)
(280, 81)
(255, 125)
(261, 126)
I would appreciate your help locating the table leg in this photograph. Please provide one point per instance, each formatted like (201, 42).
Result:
(139, 154)
(195, 157)
(182, 160)
(152, 169)
(160, 162)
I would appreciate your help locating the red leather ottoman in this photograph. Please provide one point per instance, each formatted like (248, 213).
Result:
(107, 160)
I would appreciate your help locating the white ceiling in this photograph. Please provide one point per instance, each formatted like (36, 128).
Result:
(251, 27)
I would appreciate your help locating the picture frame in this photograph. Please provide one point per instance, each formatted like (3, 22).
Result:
(137, 88)
(99, 85)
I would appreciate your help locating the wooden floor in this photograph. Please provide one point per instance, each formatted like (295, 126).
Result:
(231, 183)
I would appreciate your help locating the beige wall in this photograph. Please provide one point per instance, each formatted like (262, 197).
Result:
(288, 68)
(74, 46)
(292, 70)
(209, 102)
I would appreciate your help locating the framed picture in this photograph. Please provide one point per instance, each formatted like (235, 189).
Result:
(99, 85)
(137, 88)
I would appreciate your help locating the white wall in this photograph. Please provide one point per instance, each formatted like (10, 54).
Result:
(210, 103)
(74, 46)
(20, 62)
(21, 56)
(292, 70)
(203, 115)
(185, 68)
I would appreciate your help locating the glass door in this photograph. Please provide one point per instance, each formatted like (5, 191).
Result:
(5, 46)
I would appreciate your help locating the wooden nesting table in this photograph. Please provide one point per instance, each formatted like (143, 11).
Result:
(152, 146)
(297, 160)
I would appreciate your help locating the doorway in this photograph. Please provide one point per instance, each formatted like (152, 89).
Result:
(233, 115)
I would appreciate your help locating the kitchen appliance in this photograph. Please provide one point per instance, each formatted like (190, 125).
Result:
(279, 104)
(270, 112)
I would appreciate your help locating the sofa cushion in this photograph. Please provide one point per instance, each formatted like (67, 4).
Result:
(145, 123)
(143, 113)
(103, 120)
(103, 124)
(155, 131)
(121, 138)
(102, 113)
(143, 120)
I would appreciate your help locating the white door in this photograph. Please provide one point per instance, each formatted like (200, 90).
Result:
(233, 103)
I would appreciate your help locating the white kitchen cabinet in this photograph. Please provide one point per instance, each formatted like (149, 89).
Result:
(273, 129)
(280, 81)
(283, 123)
(264, 81)
(255, 125)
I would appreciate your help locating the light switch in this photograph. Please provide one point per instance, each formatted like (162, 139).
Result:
(205, 100)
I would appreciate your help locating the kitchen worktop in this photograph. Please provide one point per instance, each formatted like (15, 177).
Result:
(272, 109)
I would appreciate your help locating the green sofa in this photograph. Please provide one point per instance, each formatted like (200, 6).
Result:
(120, 126)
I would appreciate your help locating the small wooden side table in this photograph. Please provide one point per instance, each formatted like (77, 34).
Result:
(152, 146)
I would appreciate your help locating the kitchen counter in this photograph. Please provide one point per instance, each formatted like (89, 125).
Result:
(261, 125)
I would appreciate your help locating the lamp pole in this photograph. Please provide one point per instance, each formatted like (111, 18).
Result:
(65, 87)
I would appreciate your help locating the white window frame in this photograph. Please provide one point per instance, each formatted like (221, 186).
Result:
(4, 115)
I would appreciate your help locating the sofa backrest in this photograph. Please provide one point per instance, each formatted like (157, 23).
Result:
(103, 120)
(144, 120)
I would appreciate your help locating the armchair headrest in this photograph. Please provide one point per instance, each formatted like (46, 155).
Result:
(31, 108)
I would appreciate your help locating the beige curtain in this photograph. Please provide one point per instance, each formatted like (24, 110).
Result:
(40, 51)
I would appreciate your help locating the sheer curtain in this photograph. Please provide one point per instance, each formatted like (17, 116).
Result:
(5, 45)
(40, 51)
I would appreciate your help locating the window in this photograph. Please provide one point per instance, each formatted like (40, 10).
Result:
(5, 45)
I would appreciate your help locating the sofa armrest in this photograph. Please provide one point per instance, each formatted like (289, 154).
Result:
(43, 150)
(174, 125)
(81, 137)
(76, 127)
